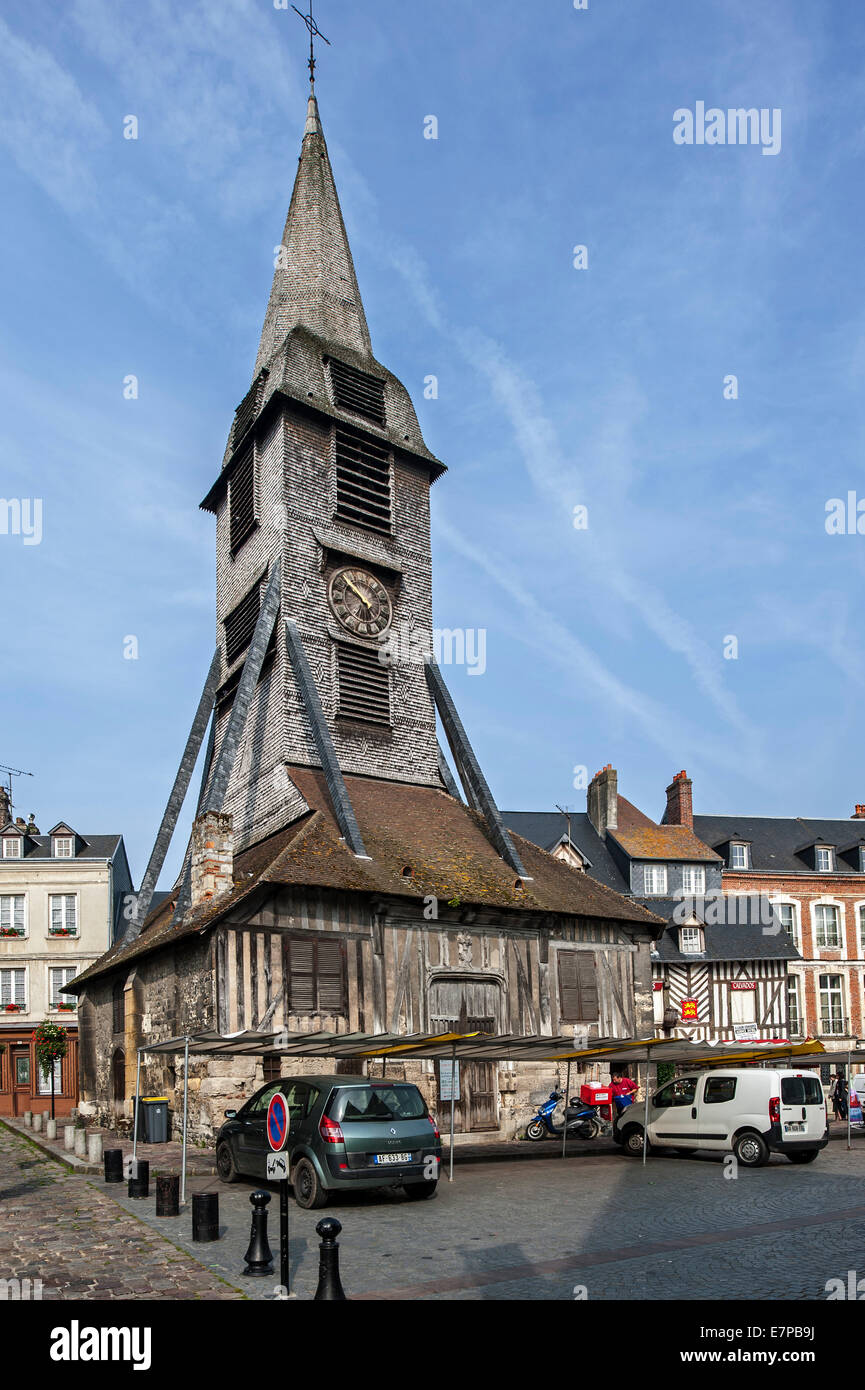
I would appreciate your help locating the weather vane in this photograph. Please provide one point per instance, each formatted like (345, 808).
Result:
(314, 33)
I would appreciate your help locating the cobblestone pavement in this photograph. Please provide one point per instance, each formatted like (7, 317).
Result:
(526, 1230)
(63, 1229)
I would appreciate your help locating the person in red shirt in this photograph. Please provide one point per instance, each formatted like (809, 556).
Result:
(623, 1086)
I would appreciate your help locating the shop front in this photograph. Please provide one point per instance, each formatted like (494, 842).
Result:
(23, 1087)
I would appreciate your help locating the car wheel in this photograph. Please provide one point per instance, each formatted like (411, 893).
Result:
(308, 1190)
(807, 1156)
(535, 1130)
(750, 1149)
(417, 1191)
(225, 1164)
(633, 1142)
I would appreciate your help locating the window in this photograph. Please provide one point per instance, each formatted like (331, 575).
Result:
(45, 1080)
(831, 1004)
(738, 856)
(786, 916)
(240, 624)
(801, 1090)
(63, 909)
(691, 940)
(362, 481)
(63, 847)
(693, 879)
(118, 1007)
(271, 1068)
(12, 914)
(58, 976)
(828, 923)
(12, 847)
(13, 989)
(357, 391)
(241, 500)
(680, 1092)
(364, 685)
(300, 1098)
(824, 860)
(743, 1006)
(654, 878)
(578, 987)
(258, 1105)
(719, 1089)
(315, 975)
(378, 1104)
(794, 1013)
(862, 926)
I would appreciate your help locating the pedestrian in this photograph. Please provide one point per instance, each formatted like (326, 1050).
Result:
(840, 1099)
(833, 1093)
(624, 1090)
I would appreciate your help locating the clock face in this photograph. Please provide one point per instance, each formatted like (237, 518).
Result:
(360, 603)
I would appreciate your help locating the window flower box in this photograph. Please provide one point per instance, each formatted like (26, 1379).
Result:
(66, 1008)
(11, 931)
(13, 1008)
(62, 931)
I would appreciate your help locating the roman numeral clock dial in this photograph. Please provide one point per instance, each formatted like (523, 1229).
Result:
(360, 603)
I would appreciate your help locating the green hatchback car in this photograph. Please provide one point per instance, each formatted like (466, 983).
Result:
(345, 1133)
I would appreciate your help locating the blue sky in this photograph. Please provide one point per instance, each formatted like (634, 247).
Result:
(558, 387)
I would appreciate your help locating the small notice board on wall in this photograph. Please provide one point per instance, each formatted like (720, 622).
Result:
(449, 1080)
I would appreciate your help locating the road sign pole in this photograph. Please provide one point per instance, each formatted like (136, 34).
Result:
(283, 1236)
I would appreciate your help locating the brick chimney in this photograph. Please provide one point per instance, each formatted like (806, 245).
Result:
(602, 800)
(212, 859)
(859, 813)
(680, 806)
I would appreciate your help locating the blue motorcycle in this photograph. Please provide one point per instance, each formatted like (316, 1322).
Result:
(581, 1121)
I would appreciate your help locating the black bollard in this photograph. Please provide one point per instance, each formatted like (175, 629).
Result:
(139, 1181)
(113, 1159)
(259, 1260)
(205, 1216)
(167, 1194)
(329, 1286)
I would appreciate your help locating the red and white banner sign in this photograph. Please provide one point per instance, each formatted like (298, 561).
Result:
(744, 984)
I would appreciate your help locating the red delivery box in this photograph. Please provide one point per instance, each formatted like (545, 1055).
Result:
(593, 1093)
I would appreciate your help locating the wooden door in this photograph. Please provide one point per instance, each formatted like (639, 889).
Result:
(22, 1080)
(477, 1108)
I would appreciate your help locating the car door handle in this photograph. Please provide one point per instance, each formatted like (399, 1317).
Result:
(693, 1112)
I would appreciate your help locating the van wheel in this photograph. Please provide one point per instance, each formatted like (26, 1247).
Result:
(308, 1190)
(633, 1142)
(416, 1191)
(225, 1164)
(750, 1149)
(807, 1157)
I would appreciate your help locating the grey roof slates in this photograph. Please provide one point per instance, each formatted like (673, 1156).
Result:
(724, 941)
(777, 841)
(547, 828)
(95, 847)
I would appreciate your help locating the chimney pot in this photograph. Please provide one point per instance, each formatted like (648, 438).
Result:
(859, 813)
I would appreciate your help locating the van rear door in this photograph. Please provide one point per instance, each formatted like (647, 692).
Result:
(803, 1107)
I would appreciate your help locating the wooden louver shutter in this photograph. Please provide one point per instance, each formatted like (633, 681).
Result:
(240, 624)
(242, 500)
(588, 970)
(578, 987)
(364, 684)
(300, 976)
(331, 977)
(357, 391)
(363, 492)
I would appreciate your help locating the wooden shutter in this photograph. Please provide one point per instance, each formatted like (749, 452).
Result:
(364, 684)
(315, 975)
(331, 977)
(300, 975)
(362, 481)
(240, 624)
(578, 987)
(241, 495)
(357, 391)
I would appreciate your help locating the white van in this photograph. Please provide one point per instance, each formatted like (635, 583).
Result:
(749, 1111)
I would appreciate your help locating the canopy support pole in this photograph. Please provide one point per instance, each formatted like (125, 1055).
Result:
(185, 1112)
(645, 1109)
(849, 1076)
(137, 1104)
(453, 1093)
(565, 1119)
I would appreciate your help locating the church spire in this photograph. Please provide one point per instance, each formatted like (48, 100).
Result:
(314, 284)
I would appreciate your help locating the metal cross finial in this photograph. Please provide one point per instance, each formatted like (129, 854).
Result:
(314, 33)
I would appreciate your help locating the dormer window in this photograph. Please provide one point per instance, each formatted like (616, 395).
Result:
(13, 847)
(825, 859)
(654, 879)
(63, 847)
(740, 856)
(691, 941)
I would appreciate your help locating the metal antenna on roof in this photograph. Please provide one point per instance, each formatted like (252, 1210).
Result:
(566, 812)
(11, 772)
(314, 33)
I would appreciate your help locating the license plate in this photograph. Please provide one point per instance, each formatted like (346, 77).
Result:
(392, 1158)
(795, 1127)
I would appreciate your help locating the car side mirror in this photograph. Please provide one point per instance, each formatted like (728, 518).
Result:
(230, 1114)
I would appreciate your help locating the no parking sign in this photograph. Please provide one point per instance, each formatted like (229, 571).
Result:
(277, 1122)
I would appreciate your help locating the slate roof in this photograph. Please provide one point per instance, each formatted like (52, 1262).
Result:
(776, 842)
(723, 941)
(38, 847)
(548, 828)
(402, 826)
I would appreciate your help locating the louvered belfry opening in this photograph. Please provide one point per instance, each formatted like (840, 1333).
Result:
(364, 685)
(240, 624)
(357, 391)
(362, 481)
(242, 500)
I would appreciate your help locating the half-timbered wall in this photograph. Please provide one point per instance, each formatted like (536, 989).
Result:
(710, 985)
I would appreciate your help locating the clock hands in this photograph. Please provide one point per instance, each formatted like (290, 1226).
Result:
(363, 600)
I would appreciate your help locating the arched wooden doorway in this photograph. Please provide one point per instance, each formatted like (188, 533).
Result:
(118, 1078)
(469, 1004)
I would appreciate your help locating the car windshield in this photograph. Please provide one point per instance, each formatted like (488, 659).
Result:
(371, 1103)
(801, 1090)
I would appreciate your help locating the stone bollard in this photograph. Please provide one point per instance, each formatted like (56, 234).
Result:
(69, 1137)
(37, 1123)
(205, 1216)
(94, 1148)
(50, 1129)
(259, 1260)
(28, 1119)
(168, 1194)
(46, 1116)
(81, 1142)
(329, 1286)
(73, 1114)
